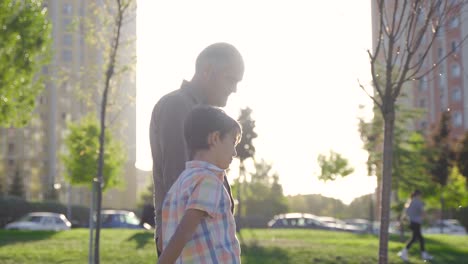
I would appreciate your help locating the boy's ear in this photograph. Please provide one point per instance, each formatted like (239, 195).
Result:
(214, 138)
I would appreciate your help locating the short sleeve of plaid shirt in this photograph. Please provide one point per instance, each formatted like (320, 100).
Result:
(206, 194)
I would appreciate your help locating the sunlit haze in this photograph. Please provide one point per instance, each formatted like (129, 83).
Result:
(302, 63)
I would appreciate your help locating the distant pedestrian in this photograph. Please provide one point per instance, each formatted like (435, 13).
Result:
(414, 210)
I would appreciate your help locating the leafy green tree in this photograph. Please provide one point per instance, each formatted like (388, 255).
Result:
(24, 47)
(371, 133)
(17, 186)
(264, 196)
(245, 150)
(360, 207)
(440, 157)
(333, 166)
(80, 161)
(408, 162)
(405, 32)
(455, 194)
(462, 157)
(107, 27)
(316, 204)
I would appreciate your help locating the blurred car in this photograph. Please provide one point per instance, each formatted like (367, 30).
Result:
(339, 225)
(362, 224)
(41, 221)
(121, 219)
(450, 227)
(393, 227)
(297, 220)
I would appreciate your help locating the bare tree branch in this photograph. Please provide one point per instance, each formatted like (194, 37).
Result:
(377, 103)
(398, 28)
(374, 75)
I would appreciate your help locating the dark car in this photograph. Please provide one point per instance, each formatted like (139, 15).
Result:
(297, 220)
(121, 219)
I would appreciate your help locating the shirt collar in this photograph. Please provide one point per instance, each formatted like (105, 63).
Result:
(194, 93)
(205, 165)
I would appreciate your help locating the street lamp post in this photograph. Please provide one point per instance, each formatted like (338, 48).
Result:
(58, 186)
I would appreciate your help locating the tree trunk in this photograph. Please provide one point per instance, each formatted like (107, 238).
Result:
(91, 223)
(389, 117)
(109, 74)
(100, 178)
(442, 207)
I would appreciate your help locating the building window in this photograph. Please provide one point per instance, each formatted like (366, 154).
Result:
(440, 52)
(423, 124)
(11, 148)
(454, 22)
(457, 119)
(11, 162)
(441, 80)
(454, 46)
(67, 55)
(64, 116)
(423, 83)
(66, 24)
(67, 9)
(456, 70)
(67, 39)
(456, 94)
(438, 33)
(422, 103)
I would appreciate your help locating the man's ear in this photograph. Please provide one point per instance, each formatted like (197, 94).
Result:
(208, 71)
(214, 138)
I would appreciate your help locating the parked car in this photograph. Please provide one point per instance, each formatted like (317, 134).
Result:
(450, 226)
(339, 225)
(121, 219)
(393, 227)
(41, 221)
(297, 220)
(362, 224)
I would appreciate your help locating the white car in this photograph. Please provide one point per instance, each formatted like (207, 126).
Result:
(41, 221)
(450, 227)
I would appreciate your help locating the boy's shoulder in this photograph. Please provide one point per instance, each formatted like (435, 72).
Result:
(197, 174)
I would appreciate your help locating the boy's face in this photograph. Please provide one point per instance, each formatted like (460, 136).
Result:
(225, 149)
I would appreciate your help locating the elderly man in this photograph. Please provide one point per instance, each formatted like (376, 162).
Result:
(218, 70)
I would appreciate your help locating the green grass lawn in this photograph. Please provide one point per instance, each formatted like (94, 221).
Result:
(259, 246)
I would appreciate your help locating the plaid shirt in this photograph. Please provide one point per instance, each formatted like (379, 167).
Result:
(200, 186)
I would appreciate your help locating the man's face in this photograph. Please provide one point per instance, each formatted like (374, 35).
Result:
(222, 83)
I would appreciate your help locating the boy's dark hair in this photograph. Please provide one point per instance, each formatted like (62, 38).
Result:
(201, 122)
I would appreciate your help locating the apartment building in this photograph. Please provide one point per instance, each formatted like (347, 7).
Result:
(74, 81)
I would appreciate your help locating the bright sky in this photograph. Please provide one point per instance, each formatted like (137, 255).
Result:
(302, 61)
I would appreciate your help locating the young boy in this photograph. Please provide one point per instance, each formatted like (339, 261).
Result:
(197, 222)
